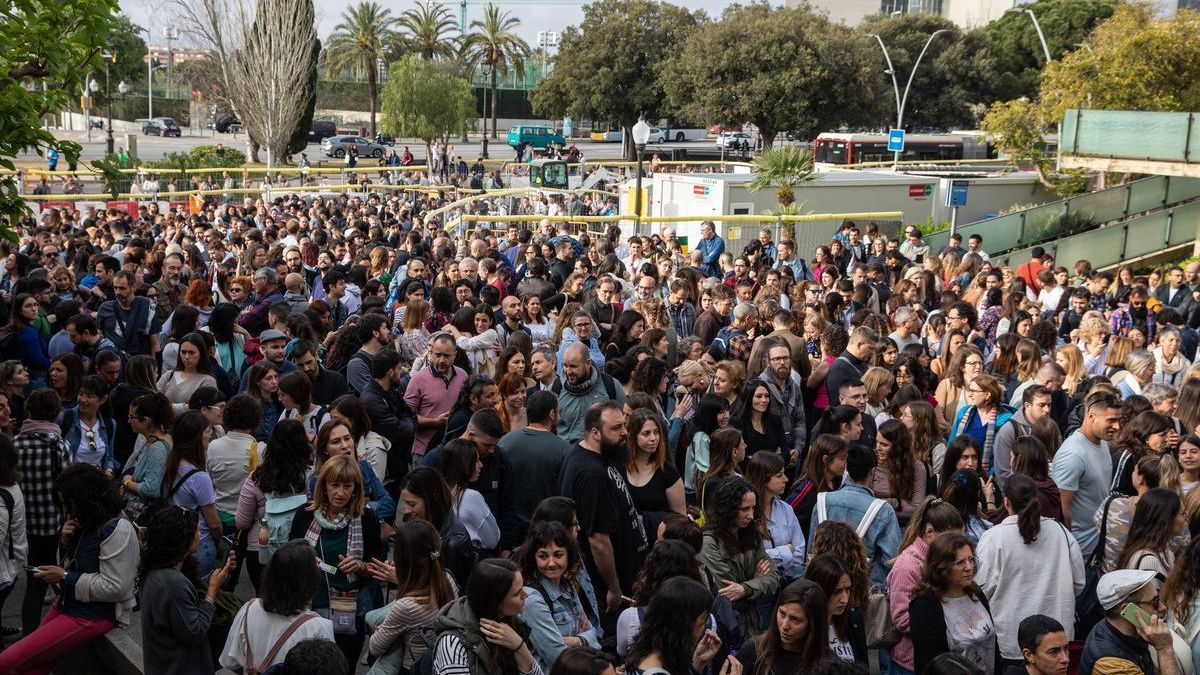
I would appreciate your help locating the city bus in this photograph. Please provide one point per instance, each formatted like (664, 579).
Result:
(849, 148)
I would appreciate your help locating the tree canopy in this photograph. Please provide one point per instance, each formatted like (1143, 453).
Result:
(426, 100)
(44, 47)
(779, 68)
(1017, 51)
(954, 77)
(609, 67)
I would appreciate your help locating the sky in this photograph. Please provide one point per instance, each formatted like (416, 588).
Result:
(155, 14)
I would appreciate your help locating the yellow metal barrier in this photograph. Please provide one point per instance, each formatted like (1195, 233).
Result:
(739, 218)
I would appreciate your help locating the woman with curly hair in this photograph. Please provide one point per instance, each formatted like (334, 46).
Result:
(932, 517)
(833, 341)
(949, 612)
(175, 619)
(899, 478)
(668, 558)
(554, 610)
(733, 549)
(674, 637)
(96, 577)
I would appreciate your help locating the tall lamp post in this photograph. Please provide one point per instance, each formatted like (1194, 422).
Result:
(108, 57)
(641, 135)
(90, 92)
(1037, 25)
(902, 101)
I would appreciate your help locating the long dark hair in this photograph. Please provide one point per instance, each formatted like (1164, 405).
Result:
(426, 483)
(808, 595)
(667, 626)
(822, 451)
(669, 558)
(489, 583)
(707, 411)
(1021, 493)
(1153, 524)
(834, 417)
(721, 516)
(290, 579)
(1030, 458)
(456, 463)
(286, 459)
(826, 570)
(422, 577)
(188, 445)
(724, 443)
(168, 541)
(900, 466)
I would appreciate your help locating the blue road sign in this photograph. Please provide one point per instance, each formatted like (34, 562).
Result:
(957, 196)
(896, 140)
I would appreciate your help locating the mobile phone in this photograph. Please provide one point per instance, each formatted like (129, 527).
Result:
(31, 569)
(1136, 615)
(229, 540)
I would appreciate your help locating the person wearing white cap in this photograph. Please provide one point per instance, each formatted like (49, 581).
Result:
(1117, 646)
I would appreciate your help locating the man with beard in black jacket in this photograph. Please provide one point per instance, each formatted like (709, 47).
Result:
(390, 415)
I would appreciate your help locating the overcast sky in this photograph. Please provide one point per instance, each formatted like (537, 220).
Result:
(152, 14)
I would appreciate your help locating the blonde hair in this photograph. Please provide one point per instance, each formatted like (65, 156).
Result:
(692, 368)
(878, 382)
(340, 469)
(1075, 371)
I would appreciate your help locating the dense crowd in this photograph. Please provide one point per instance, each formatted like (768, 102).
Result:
(302, 434)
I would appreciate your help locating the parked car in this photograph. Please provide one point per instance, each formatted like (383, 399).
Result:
(161, 126)
(337, 146)
(536, 136)
(321, 129)
(734, 139)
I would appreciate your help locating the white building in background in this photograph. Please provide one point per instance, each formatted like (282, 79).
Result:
(964, 13)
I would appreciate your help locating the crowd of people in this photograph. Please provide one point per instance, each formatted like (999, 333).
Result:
(321, 434)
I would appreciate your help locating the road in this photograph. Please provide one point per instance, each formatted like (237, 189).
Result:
(153, 148)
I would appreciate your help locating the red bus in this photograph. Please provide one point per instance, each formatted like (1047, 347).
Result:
(838, 148)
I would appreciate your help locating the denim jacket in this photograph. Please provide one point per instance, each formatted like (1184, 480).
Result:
(549, 625)
(73, 434)
(849, 504)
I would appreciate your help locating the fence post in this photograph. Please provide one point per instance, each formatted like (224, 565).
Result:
(1021, 230)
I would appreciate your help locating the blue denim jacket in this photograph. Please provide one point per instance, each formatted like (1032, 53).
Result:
(73, 433)
(849, 504)
(549, 625)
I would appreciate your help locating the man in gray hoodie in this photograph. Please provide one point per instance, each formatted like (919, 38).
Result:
(1035, 405)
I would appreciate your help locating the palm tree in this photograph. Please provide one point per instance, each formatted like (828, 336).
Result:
(782, 168)
(358, 43)
(425, 28)
(494, 44)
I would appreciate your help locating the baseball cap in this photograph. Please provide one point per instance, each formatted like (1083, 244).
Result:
(271, 334)
(1114, 587)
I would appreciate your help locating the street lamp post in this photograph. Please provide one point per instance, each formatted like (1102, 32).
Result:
(1037, 25)
(108, 141)
(902, 101)
(90, 91)
(641, 135)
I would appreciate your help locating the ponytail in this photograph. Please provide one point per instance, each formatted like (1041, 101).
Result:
(1022, 497)
(834, 417)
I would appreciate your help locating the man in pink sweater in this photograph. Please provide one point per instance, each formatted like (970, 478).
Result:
(432, 391)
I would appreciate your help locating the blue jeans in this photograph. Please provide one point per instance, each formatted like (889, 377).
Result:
(206, 556)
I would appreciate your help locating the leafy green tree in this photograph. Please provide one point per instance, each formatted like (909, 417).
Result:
(43, 44)
(609, 67)
(426, 100)
(127, 43)
(1132, 61)
(358, 43)
(955, 75)
(426, 32)
(495, 45)
(1017, 51)
(779, 68)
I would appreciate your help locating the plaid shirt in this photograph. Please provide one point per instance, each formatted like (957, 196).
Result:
(41, 457)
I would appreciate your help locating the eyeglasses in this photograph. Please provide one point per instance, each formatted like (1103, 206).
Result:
(974, 391)
(973, 362)
(967, 562)
(777, 359)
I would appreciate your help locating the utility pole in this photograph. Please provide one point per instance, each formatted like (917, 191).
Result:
(171, 34)
(901, 102)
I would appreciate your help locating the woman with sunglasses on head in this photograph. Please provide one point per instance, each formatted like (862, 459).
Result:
(1028, 564)
(933, 517)
(949, 612)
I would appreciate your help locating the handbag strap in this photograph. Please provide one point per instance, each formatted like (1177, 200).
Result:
(822, 514)
(276, 646)
(868, 518)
